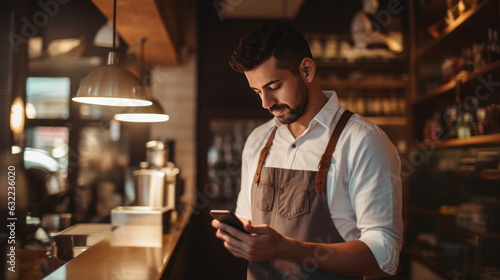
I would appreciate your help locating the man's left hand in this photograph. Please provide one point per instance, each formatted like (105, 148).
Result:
(262, 244)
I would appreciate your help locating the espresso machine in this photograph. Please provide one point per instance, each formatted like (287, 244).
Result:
(156, 190)
(155, 183)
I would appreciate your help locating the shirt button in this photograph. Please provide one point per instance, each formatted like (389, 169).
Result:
(294, 146)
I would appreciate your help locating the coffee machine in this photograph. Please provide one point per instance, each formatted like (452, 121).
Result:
(156, 191)
(156, 182)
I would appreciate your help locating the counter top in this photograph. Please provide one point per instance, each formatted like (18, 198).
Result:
(127, 252)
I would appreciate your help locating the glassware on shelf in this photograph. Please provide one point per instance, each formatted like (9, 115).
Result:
(433, 130)
(464, 128)
(455, 8)
(317, 48)
(331, 48)
(360, 104)
(224, 157)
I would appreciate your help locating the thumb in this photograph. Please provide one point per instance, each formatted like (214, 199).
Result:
(260, 229)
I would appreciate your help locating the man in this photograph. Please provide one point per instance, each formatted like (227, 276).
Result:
(321, 190)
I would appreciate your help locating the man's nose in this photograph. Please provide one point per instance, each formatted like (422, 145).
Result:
(268, 99)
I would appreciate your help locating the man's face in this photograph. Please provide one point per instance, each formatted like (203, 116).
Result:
(284, 94)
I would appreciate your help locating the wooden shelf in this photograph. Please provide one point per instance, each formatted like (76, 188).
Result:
(388, 120)
(453, 83)
(399, 64)
(449, 33)
(337, 84)
(436, 92)
(479, 232)
(493, 139)
(42, 66)
(424, 211)
(490, 174)
(471, 27)
(484, 174)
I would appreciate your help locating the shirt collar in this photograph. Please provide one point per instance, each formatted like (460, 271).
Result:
(326, 114)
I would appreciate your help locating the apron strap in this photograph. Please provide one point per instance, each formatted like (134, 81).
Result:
(326, 159)
(263, 155)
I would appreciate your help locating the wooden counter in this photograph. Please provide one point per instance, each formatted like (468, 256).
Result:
(128, 252)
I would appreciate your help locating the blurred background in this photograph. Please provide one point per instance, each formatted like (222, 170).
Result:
(425, 71)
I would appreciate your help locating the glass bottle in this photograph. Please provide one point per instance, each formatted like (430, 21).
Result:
(360, 103)
(369, 103)
(386, 105)
(467, 125)
(495, 52)
(377, 104)
(490, 48)
(450, 119)
(402, 105)
(468, 60)
(393, 100)
(481, 121)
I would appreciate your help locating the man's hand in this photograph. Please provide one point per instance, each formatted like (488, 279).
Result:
(265, 243)
(262, 244)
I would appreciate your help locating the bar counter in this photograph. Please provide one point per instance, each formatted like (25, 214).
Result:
(129, 252)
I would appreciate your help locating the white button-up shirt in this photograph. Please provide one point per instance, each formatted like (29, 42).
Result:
(363, 182)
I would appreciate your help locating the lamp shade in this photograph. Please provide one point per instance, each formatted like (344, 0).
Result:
(104, 36)
(153, 113)
(112, 85)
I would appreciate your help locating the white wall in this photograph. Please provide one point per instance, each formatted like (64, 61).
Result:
(175, 89)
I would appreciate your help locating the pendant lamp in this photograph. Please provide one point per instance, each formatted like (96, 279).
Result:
(146, 114)
(112, 85)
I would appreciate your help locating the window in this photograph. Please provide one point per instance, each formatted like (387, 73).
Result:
(47, 98)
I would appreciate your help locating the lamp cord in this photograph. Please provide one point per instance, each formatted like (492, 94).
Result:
(142, 60)
(284, 9)
(114, 25)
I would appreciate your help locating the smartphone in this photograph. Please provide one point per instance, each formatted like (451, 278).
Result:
(228, 217)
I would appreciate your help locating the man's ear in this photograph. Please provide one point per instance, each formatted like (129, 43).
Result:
(307, 69)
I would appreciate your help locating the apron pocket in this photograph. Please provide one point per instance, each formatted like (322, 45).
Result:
(264, 196)
(294, 201)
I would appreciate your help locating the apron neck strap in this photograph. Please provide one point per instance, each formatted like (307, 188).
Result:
(263, 155)
(326, 159)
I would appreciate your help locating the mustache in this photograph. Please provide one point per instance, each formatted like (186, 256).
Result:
(278, 107)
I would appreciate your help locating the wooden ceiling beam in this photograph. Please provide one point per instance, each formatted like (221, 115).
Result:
(145, 19)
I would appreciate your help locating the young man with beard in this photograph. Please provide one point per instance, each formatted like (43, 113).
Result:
(321, 188)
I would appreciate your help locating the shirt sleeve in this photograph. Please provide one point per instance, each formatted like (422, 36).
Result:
(376, 195)
(243, 204)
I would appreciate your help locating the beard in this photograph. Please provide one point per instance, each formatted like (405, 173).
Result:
(302, 96)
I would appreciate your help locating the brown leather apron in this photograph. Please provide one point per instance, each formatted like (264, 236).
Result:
(294, 202)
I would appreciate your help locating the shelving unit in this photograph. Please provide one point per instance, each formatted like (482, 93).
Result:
(431, 264)
(380, 85)
(456, 172)
(372, 82)
(388, 120)
(484, 174)
(489, 139)
(398, 64)
(466, 78)
(82, 65)
(389, 84)
(469, 22)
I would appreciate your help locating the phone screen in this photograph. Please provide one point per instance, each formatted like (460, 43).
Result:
(228, 217)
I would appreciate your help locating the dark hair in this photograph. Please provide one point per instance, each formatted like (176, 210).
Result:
(275, 38)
